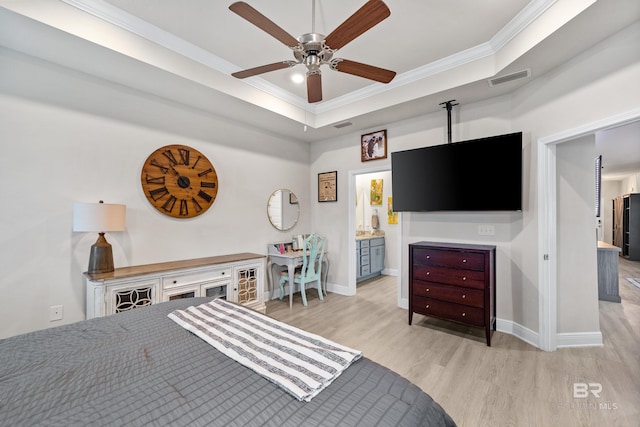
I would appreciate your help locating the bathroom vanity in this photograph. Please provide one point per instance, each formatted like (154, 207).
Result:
(369, 255)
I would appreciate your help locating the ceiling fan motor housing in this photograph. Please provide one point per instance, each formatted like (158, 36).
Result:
(313, 51)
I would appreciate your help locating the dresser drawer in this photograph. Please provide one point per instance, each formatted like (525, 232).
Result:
(449, 259)
(448, 311)
(466, 278)
(177, 280)
(455, 294)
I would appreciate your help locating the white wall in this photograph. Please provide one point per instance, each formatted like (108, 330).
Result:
(54, 156)
(577, 268)
(631, 184)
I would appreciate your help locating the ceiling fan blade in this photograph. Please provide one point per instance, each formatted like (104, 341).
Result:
(259, 20)
(363, 70)
(314, 87)
(365, 18)
(263, 69)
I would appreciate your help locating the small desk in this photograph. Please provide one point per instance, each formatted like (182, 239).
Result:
(291, 260)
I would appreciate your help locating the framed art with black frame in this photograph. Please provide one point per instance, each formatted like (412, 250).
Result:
(328, 186)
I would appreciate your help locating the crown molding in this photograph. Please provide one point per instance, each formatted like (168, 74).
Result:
(144, 29)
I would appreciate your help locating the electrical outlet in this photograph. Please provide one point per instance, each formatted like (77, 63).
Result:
(486, 230)
(55, 313)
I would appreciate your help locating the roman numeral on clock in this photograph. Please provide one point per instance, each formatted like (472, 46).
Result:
(196, 162)
(184, 156)
(196, 205)
(155, 180)
(158, 193)
(205, 196)
(184, 210)
(204, 172)
(169, 155)
(155, 163)
(169, 204)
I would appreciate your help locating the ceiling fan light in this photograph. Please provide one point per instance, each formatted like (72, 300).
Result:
(297, 78)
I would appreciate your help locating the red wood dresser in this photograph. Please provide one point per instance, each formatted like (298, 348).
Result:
(454, 281)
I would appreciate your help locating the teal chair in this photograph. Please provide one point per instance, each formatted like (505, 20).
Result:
(311, 269)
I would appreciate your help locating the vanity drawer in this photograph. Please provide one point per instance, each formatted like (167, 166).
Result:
(455, 294)
(448, 311)
(365, 269)
(378, 241)
(449, 259)
(450, 276)
(177, 280)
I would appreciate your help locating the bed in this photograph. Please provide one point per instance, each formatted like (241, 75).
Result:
(141, 368)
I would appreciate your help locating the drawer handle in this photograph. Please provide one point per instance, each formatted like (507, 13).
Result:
(463, 296)
(464, 278)
(427, 289)
(464, 261)
(464, 314)
(428, 256)
(428, 273)
(175, 281)
(427, 306)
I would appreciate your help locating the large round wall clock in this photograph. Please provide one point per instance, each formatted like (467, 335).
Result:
(179, 181)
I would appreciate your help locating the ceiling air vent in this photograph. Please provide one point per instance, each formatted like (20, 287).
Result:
(342, 125)
(510, 77)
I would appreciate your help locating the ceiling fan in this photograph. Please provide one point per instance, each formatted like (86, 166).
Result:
(313, 49)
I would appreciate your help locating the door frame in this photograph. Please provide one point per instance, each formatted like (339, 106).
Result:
(351, 230)
(547, 221)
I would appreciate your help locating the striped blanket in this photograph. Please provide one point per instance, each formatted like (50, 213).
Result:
(301, 363)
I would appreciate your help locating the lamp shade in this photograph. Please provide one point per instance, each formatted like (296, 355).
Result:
(100, 217)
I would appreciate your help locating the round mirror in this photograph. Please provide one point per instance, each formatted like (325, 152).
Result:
(283, 209)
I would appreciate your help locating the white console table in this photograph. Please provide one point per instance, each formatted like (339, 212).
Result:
(237, 277)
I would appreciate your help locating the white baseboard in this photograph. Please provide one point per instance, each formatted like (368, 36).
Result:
(518, 331)
(338, 289)
(579, 339)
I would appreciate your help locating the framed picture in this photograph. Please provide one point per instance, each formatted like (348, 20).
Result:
(373, 146)
(328, 186)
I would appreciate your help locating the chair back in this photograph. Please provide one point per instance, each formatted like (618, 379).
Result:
(313, 248)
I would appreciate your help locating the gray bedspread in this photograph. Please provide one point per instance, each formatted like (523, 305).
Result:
(140, 368)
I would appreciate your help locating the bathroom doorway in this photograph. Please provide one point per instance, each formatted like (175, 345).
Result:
(361, 211)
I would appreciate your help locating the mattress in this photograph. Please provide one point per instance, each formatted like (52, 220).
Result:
(141, 368)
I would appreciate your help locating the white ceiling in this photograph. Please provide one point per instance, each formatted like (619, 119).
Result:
(441, 50)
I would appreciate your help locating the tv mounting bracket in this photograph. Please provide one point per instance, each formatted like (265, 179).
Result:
(449, 106)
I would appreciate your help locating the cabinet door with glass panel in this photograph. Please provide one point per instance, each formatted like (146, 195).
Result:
(248, 285)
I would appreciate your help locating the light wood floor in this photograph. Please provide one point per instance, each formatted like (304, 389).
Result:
(510, 383)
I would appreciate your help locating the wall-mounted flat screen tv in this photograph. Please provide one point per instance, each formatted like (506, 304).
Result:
(477, 175)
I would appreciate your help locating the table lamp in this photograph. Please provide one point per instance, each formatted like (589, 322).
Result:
(100, 217)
